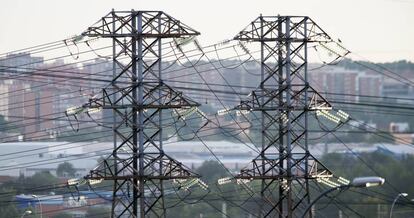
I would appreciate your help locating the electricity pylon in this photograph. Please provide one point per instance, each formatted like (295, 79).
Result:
(284, 99)
(137, 96)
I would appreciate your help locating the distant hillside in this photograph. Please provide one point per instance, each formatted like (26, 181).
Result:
(401, 66)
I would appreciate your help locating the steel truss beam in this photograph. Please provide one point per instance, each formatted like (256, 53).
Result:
(137, 96)
(284, 100)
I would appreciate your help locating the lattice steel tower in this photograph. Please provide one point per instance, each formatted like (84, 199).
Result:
(284, 99)
(137, 95)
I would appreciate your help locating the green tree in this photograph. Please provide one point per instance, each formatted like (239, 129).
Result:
(65, 169)
(5, 126)
(63, 215)
(41, 179)
(106, 163)
(98, 212)
(395, 169)
(211, 171)
(7, 208)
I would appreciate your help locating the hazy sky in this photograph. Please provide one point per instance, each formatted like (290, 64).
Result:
(380, 30)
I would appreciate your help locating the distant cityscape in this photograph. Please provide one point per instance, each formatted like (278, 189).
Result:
(207, 109)
(46, 89)
(36, 120)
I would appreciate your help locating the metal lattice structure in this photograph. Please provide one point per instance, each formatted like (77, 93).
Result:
(137, 96)
(284, 99)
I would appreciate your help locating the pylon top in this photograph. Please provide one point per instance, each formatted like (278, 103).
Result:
(125, 24)
(273, 28)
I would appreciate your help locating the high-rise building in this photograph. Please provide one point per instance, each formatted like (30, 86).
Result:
(19, 62)
(5, 91)
(345, 85)
(340, 83)
(370, 85)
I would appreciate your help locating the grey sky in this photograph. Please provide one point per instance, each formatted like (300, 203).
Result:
(380, 30)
